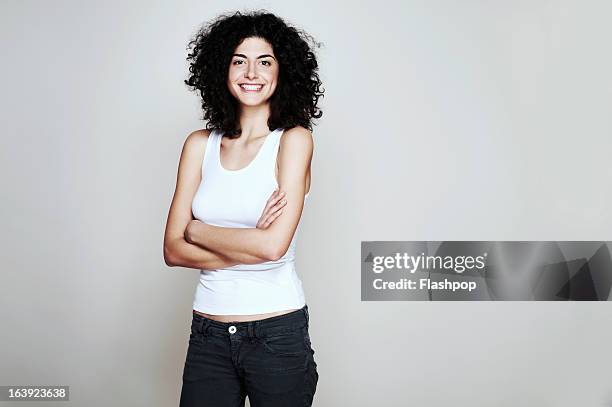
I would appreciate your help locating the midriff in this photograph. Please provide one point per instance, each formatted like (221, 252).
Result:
(243, 318)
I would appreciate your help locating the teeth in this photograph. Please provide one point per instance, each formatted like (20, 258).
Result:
(251, 87)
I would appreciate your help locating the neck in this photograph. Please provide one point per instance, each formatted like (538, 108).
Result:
(254, 121)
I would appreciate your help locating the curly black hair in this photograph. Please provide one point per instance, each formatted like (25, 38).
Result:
(294, 101)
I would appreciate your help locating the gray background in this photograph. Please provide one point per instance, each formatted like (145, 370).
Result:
(444, 120)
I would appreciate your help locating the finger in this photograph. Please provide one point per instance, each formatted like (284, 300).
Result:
(276, 214)
(281, 203)
(274, 199)
(275, 194)
(266, 223)
(273, 208)
(272, 217)
(265, 220)
(271, 202)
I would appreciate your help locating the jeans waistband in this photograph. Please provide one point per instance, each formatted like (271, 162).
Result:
(276, 325)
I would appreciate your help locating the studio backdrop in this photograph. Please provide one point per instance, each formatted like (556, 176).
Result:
(443, 121)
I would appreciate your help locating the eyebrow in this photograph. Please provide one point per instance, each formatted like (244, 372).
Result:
(261, 56)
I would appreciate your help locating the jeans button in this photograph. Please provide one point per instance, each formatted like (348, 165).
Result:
(232, 329)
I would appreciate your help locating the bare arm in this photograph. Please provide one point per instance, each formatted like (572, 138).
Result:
(234, 242)
(177, 250)
(295, 156)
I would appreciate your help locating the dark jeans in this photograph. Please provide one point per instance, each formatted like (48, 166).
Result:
(270, 360)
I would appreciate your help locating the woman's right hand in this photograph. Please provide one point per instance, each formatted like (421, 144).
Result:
(273, 209)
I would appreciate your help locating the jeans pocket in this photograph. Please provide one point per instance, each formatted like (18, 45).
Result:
(197, 338)
(286, 344)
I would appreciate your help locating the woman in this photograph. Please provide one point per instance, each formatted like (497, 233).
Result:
(245, 179)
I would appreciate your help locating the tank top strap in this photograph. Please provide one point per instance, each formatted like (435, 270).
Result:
(218, 135)
(274, 147)
(210, 152)
(276, 142)
(214, 144)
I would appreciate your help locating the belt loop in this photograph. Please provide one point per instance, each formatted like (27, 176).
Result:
(250, 330)
(306, 314)
(256, 329)
(203, 326)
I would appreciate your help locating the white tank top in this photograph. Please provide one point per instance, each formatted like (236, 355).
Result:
(236, 199)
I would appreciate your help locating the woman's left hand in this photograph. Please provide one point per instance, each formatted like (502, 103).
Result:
(273, 209)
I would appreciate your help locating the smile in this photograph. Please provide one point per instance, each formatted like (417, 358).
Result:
(247, 87)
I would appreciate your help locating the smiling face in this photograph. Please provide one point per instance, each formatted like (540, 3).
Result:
(253, 72)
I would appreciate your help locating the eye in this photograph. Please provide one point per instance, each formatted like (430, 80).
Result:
(266, 62)
(238, 61)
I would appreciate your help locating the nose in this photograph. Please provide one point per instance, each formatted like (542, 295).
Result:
(250, 73)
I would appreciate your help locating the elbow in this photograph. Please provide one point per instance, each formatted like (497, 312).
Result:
(277, 251)
(169, 258)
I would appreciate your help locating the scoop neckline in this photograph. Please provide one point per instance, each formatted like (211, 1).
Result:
(250, 164)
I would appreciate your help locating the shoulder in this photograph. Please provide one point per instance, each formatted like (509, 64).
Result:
(296, 149)
(297, 138)
(197, 137)
(195, 142)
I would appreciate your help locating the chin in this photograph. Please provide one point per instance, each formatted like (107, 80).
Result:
(253, 102)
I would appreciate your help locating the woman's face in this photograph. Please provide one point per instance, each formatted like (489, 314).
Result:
(253, 72)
